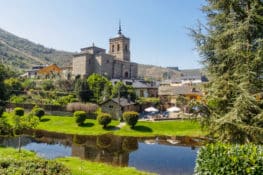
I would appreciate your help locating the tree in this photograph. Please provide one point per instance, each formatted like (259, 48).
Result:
(82, 90)
(80, 117)
(131, 118)
(122, 90)
(13, 85)
(39, 112)
(232, 50)
(3, 90)
(104, 119)
(100, 87)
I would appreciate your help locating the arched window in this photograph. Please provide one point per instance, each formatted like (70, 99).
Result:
(118, 47)
(126, 74)
(126, 48)
(112, 48)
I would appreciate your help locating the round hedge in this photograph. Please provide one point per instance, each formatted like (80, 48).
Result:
(104, 119)
(131, 118)
(80, 117)
(39, 112)
(19, 111)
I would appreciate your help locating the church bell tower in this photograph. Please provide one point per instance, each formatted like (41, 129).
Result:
(120, 46)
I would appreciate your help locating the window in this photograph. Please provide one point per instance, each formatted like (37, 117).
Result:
(110, 106)
(118, 47)
(112, 48)
(126, 48)
(107, 61)
(126, 75)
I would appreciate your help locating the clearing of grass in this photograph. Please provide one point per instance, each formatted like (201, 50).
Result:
(68, 125)
(25, 162)
(78, 166)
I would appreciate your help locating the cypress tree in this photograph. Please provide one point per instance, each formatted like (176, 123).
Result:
(231, 47)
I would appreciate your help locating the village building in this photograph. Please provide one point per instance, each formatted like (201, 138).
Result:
(116, 106)
(142, 88)
(168, 94)
(114, 64)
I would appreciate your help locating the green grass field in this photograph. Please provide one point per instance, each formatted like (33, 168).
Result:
(91, 127)
(76, 165)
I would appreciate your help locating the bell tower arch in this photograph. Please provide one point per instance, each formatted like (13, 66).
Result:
(120, 46)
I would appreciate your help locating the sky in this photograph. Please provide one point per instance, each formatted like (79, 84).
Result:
(158, 29)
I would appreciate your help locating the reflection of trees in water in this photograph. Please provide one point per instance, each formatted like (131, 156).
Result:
(106, 148)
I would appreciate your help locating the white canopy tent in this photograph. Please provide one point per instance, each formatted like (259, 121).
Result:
(151, 109)
(173, 109)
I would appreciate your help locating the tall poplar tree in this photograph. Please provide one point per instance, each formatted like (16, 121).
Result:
(231, 46)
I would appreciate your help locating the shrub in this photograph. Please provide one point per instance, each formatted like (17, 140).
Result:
(87, 107)
(19, 111)
(80, 117)
(29, 164)
(230, 159)
(131, 118)
(104, 119)
(39, 112)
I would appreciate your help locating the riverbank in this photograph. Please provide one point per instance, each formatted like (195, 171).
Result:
(74, 165)
(67, 125)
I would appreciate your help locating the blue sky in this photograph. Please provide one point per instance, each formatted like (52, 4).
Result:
(157, 28)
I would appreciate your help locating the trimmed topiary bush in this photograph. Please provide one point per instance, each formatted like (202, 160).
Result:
(39, 112)
(131, 118)
(80, 117)
(19, 111)
(104, 119)
(221, 158)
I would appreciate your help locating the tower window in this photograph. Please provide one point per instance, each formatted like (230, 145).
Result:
(126, 48)
(118, 47)
(112, 48)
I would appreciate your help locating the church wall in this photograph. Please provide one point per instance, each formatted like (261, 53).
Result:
(79, 65)
(117, 70)
(134, 70)
(106, 65)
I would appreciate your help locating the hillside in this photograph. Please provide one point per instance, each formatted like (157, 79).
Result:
(157, 72)
(21, 53)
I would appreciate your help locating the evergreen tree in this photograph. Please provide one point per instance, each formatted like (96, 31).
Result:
(231, 45)
(3, 91)
(82, 90)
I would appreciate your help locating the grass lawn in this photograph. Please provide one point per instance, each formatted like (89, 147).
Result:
(165, 128)
(75, 165)
(78, 166)
(68, 125)
(91, 127)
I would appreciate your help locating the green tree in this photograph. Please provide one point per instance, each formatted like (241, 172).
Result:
(231, 45)
(104, 119)
(13, 85)
(100, 87)
(122, 90)
(80, 117)
(82, 90)
(3, 90)
(131, 118)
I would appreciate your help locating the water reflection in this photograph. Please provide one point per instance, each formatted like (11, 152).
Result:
(163, 155)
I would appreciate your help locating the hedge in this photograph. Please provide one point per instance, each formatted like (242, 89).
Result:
(131, 118)
(229, 159)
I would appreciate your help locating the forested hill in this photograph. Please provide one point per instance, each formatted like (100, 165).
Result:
(23, 54)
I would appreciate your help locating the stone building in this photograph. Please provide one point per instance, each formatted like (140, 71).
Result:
(115, 64)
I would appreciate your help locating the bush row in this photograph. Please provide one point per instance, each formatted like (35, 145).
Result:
(221, 158)
(29, 164)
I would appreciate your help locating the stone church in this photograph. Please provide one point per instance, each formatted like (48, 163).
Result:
(115, 64)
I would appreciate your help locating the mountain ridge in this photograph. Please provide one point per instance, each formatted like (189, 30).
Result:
(21, 54)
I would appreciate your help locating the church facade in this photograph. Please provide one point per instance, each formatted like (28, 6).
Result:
(114, 64)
